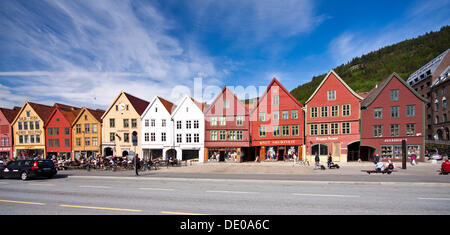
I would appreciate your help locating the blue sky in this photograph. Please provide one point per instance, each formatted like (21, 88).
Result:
(84, 52)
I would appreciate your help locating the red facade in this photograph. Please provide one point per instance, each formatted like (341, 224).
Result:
(227, 126)
(58, 131)
(393, 112)
(332, 120)
(7, 140)
(277, 124)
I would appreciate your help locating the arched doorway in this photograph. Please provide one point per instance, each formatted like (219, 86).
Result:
(124, 153)
(353, 151)
(108, 151)
(322, 149)
(171, 153)
(440, 134)
(366, 153)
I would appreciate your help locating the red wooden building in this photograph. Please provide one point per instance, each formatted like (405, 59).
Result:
(332, 120)
(277, 124)
(392, 112)
(7, 116)
(227, 125)
(58, 130)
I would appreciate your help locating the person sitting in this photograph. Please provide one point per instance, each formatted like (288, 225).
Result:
(390, 165)
(379, 166)
(330, 160)
(445, 166)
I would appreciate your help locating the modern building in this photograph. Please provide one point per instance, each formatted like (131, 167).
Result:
(332, 121)
(392, 112)
(29, 132)
(120, 121)
(157, 129)
(427, 81)
(6, 132)
(227, 129)
(276, 124)
(58, 127)
(188, 121)
(86, 131)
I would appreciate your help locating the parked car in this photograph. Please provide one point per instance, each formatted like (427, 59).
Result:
(26, 169)
(435, 156)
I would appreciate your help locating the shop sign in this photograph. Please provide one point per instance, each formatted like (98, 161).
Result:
(5, 149)
(395, 140)
(279, 142)
(34, 132)
(327, 138)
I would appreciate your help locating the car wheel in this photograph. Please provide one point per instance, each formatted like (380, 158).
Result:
(24, 175)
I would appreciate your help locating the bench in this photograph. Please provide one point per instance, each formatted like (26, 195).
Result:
(386, 171)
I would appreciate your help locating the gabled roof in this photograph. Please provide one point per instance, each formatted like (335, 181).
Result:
(97, 114)
(43, 111)
(69, 112)
(275, 81)
(340, 79)
(10, 114)
(374, 93)
(220, 95)
(138, 104)
(199, 105)
(167, 104)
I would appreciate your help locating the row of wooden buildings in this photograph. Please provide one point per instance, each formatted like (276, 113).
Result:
(335, 119)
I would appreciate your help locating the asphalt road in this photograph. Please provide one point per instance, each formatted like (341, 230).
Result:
(73, 195)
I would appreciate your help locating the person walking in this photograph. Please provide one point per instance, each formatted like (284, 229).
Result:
(413, 158)
(330, 160)
(317, 159)
(136, 164)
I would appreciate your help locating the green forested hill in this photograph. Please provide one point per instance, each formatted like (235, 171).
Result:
(404, 58)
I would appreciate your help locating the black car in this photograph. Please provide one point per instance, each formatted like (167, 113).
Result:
(26, 169)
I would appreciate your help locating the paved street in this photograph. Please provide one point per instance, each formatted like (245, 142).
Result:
(159, 193)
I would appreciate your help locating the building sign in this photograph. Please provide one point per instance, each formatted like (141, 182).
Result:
(398, 140)
(326, 138)
(5, 149)
(279, 142)
(28, 118)
(35, 132)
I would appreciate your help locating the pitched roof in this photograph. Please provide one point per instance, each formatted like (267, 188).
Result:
(275, 81)
(97, 114)
(139, 104)
(373, 94)
(43, 111)
(167, 104)
(201, 106)
(221, 94)
(10, 114)
(340, 79)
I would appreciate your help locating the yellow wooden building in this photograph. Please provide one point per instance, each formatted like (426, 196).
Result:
(87, 133)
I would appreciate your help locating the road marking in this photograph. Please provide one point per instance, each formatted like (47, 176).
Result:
(91, 186)
(101, 208)
(158, 189)
(324, 195)
(441, 199)
(21, 202)
(228, 192)
(179, 213)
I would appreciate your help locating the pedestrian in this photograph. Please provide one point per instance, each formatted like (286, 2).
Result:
(413, 158)
(136, 164)
(330, 160)
(317, 159)
(445, 166)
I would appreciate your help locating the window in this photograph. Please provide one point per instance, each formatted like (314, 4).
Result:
(55, 130)
(196, 138)
(285, 130)
(178, 125)
(334, 128)
(153, 122)
(394, 95)
(78, 142)
(346, 128)
(232, 135)
(112, 136)
(324, 129)
(275, 100)
(322, 149)
(213, 121)
(152, 137)
(86, 128)
(179, 138)
(50, 143)
(66, 131)
(276, 115)
(188, 138)
(346, 110)
(335, 111)
(28, 113)
(20, 139)
(146, 137)
(36, 125)
(50, 131)
(67, 142)
(94, 128)
(126, 123)
(222, 121)
(133, 123)
(94, 141)
(78, 128)
(87, 141)
(112, 122)
(163, 137)
(31, 126)
(147, 123)
(213, 135)
(56, 142)
(332, 95)
(126, 137)
(188, 124)
(295, 131)
(324, 111)
(262, 117)
(395, 130)
(226, 104)
(32, 139)
(314, 111)
(38, 139)
(222, 135)
(444, 103)
(25, 125)
(262, 131)
(444, 117)
(285, 115)
(239, 120)
(313, 129)
(19, 124)
(410, 110)
(395, 111)
(411, 129)
(378, 113)
(196, 124)
(276, 130)
(378, 131)
(294, 114)
(163, 122)
(240, 135)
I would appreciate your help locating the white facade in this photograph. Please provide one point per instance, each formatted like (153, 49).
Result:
(156, 130)
(188, 123)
